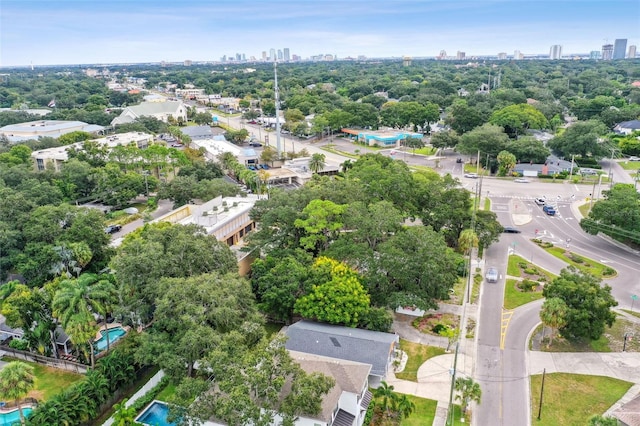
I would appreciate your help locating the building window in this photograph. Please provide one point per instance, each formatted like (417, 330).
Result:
(40, 163)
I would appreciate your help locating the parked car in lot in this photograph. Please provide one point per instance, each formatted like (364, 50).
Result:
(540, 201)
(255, 144)
(510, 230)
(112, 229)
(492, 275)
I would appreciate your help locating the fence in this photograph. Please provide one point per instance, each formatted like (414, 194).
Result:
(14, 404)
(62, 364)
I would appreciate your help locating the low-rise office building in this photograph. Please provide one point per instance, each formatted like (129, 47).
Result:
(49, 128)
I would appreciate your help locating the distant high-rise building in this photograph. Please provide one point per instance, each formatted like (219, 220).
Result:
(502, 55)
(187, 62)
(238, 56)
(517, 55)
(244, 57)
(443, 54)
(280, 55)
(287, 54)
(595, 54)
(607, 52)
(555, 52)
(460, 55)
(296, 58)
(272, 54)
(619, 48)
(632, 51)
(406, 61)
(264, 55)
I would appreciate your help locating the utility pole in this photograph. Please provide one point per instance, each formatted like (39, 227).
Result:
(611, 169)
(277, 96)
(571, 170)
(541, 390)
(453, 383)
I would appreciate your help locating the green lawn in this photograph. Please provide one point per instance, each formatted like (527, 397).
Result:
(583, 263)
(571, 399)
(630, 165)
(167, 393)
(585, 209)
(513, 297)
(487, 204)
(424, 413)
(418, 354)
(49, 381)
(427, 150)
(515, 270)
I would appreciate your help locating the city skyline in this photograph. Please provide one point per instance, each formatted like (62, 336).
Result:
(116, 31)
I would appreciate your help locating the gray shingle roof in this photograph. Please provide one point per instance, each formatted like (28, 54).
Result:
(353, 344)
(633, 124)
(343, 419)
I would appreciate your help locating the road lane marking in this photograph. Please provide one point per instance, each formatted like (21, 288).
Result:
(504, 324)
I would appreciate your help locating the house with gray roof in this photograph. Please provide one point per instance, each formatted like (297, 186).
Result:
(351, 344)
(160, 110)
(627, 127)
(197, 132)
(347, 402)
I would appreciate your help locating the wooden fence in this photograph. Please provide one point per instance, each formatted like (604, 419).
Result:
(62, 364)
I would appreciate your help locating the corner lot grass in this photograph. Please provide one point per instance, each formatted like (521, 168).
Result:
(49, 381)
(513, 297)
(570, 399)
(418, 354)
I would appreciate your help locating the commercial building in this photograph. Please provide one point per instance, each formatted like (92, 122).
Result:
(555, 52)
(49, 128)
(160, 110)
(55, 157)
(381, 137)
(460, 55)
(619, 48)
(632, 52)
(607, 52)
(287, 54)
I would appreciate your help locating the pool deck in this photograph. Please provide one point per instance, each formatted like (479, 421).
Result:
(110, 326)
(5, 410)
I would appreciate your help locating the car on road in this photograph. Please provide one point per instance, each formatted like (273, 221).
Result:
(549, 210)
(522, 180)
(492, 275)
(255, 144)
(471, 175)
(112, 229)
(510, 230)
(458, 160)
(540, 201)
(634, 158)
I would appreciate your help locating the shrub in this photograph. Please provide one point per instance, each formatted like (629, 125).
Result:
(377, 319)
(608, 271)
(531, 271)
(527, 285)
(438, 328)
(576, 258)
(19, 344)
(523, 265)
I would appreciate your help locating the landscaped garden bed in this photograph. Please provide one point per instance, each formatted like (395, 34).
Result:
(434, 324)
(580, 262)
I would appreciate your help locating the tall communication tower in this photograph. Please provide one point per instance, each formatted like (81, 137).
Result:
(277, 94)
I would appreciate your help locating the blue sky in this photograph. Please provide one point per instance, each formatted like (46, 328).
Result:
(50, 32)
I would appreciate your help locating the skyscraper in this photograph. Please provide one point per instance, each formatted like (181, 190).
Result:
(555, 52)
(619, 48)
(595, 54)
(287, 56)
(632, 51)
(517, 55)
(280, 55)
(272, 54)
(607, 52)
(264, 55)
(460, 55)
(502, 55)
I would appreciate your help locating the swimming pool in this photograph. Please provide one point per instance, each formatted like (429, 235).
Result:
(13, 417)
(155, 415)
(114, 334)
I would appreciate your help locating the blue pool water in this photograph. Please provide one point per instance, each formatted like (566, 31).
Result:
(13, 417)
(155, 415)
(114, 334)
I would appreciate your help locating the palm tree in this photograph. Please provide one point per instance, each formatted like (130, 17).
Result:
(317, 162)
(124, 416)
(469, 391)
(16, 380)
(81, 329)
(389, 397)
(404, 406)
(468, 240)
(78, 298)
(553, 314)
